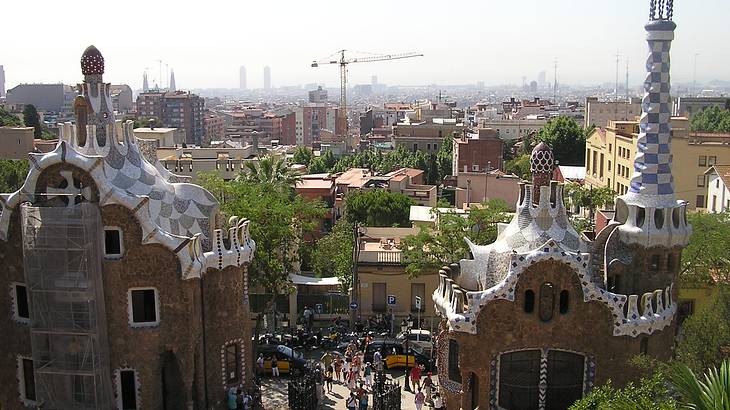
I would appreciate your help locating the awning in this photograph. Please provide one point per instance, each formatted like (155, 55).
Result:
(312, 281)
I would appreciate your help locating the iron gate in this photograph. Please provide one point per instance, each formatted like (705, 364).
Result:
(386, 393)
(303, 393)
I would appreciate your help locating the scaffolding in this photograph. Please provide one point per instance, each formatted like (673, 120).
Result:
(62, 255)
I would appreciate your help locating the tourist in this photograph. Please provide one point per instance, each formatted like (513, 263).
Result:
(427, 385)
(378, 360)
(328, 378)
(368, 375)
(239, 398)
(351, 401)
(438, 404)
(351, 379)
(232, 400)
(419, 399)
(416, 376)
(274, 367)
(364, 401)
(260, 365)
(338, 368)
(327, 360)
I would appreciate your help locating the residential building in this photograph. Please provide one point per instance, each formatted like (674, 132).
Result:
(174, 109)
(477, 152)
(122, 98)
(45, 97)
(409, 182)
(718, 188)
(319, 187)
(381, 273)
(689, 106)
(515, 129)
(476, 187)
(543, 314)
(426, 136)
(228, 162)
(318, 96)
(164, 137)
(610, 154)
(16, 142)
(599, 113)
(428, 217)
(115, 299)
(568, 173)
(214, 128)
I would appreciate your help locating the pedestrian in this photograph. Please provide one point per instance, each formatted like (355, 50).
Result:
(351, 401)
(338, 368)
(328, 379)
(364, 401)
(232, 402)
(274, 367)
(438, 404)
(327, 360)
(260, 365)
(368, 375)
(378, 360)
(247, 401)
(239, 398)
(307, 318)
(351, 379)
(416, 376)
(419, 399)
(427, 385)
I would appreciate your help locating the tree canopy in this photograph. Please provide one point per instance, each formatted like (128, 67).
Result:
(566, 138)
(9, 120)
(712, 119)
(378, 207)
(32, 119)
(519, 166)
(705, 259)
(429, 249)
(271, 171)
(302, 155)
(12, 174)
(332, 254)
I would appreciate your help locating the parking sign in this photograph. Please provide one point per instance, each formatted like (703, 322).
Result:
(391, 299)
(418, 302)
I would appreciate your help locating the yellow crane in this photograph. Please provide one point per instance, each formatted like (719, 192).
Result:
(343, 62)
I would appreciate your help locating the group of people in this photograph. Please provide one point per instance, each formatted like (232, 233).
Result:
(239, 399)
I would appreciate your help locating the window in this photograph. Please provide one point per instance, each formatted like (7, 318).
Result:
(703, 161)
(609, 148)
(127, 387)
(609, 165)
(27, 388)
(529, 305)
(564, 301)
(654, 265)
(700, 201)
(418, 289)
(112, 242)
(547, 301)
(232, 370)
(415, 147)
(714, 203)
(700, 180)
(143, 307)
(711, 160)
(21, 311)
(670, 263)
(519, 375)
(379, 290)
(564, 378)
(600, 169)
(454, 370)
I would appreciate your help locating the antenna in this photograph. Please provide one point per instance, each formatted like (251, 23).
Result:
(615, 90)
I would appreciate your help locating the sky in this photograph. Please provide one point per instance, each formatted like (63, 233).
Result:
(463, 42)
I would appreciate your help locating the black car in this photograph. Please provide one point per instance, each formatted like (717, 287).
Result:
(289, 360)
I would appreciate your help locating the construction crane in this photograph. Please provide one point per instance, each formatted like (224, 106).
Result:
(343, 62)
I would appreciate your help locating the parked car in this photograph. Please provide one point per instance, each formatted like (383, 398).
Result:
(394, 354)
(288, 359)
(419, 337)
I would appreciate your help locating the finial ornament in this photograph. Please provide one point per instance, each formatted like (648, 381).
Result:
(661, 9)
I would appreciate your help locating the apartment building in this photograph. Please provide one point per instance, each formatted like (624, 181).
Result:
(175, 109)
(599, 113)
(515, 129)
(426, 136)
(477, 152)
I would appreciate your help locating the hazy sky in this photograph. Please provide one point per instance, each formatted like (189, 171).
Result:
(496, 42)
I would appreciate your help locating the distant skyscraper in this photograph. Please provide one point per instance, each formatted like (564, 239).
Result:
(242, 78)
(145, 86)
(374, 80)
(541, 79)
(172, 80)
(267, 77)
(2, 82)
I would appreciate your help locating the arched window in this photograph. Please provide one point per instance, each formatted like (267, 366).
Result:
(529, 301)
(564, 301)
(474, 389)
(547, 301)
(454, 370)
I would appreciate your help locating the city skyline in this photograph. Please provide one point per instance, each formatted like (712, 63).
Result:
(512, 41)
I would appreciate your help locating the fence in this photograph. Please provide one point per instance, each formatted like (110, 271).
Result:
(386, 393)
(303, 393)
(332, 303)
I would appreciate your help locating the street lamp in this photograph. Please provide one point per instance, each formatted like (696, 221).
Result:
(405, 328)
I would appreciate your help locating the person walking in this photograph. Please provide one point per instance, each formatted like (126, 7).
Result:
(368, 375)
(378, 360)
(232, 399)
(338, 368)
(419, 399)
(274, 367)
(364, 401)
(438, 404)
(427, 386)
(328, 378)
(327, 360)
(260, 365)
(351, 401)
(416, 376)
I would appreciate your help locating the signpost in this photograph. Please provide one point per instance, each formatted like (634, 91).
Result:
(418, 308)
(391, 300)
(391, 306)
(353, 305)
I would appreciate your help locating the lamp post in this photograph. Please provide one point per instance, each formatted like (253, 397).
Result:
(405, 328)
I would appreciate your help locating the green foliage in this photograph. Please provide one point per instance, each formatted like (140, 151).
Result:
(332, 255)
(32, 119)
(590, 198)
(274, 172)
(428, 250)
(279, 221)
(302, 155)
(12, 174)
(712, 119)
(648, 393)
(566, 138)
(706, 334)
(445, 158)
(705, 260)
(711, 392)
(519, 166)
(9, 120)
(324, 163)
(378, 208)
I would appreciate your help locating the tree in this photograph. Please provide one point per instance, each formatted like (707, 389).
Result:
(706, 334)
(649, 393)
(445, 157)
(705, 260)
(712, 392)
(9, 120)
(519, 166)
(428, 250)
(378, 207)
(32, 119)
(12, 174)
(566, 138)
(274, 172)
(332, 255)
(591, 198)
(302, 155)
(712, 119)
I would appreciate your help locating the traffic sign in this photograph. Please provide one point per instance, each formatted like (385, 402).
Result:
(353, 305)
(391, 299)
(318, 308)
(418, 302)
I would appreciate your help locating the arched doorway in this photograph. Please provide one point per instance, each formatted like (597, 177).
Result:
(474, 391)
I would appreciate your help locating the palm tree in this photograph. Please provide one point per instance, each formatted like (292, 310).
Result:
(711, 393)
(272, 171)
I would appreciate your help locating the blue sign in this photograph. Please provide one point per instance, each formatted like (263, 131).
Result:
(391, 299)
(318, 308)
(353, 305)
